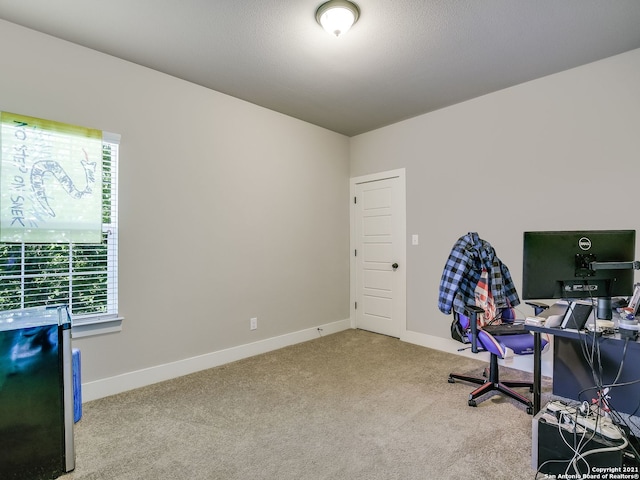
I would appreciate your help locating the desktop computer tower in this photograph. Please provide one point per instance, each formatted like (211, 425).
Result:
(553, 448)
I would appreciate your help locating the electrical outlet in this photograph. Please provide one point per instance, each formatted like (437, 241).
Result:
(253, 323)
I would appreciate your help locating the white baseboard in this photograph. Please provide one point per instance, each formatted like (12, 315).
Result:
(519, 362)
(140, 378)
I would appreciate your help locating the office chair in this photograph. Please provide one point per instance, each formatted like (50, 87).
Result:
(520, 344)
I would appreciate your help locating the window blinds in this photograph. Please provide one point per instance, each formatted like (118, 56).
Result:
(83, 276)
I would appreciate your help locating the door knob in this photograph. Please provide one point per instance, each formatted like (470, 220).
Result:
(394, 266)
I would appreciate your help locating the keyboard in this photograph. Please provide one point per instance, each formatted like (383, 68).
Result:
(505, 329)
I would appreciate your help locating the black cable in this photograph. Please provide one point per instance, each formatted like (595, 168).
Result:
(589, 354)
(611, 385)
(624, 354)
(593, 356)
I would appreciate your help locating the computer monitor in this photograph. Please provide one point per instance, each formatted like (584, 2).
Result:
(584, 264)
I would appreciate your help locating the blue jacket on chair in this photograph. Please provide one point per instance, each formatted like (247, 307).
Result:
(463, 269)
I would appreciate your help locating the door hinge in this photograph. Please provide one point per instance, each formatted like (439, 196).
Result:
(356, 305)
(355, 253)
(355, 199)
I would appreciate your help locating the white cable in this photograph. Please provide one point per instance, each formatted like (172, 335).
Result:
(608, 449)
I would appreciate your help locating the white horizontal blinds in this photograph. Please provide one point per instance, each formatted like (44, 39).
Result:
(49, 181)
(110, 216)
(84, 276)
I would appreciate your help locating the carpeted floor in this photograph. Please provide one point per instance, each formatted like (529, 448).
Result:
(353, 405)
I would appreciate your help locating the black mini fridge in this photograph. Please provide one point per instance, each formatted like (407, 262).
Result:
(36, 394)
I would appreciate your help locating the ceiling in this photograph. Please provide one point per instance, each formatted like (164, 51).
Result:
(401, 59)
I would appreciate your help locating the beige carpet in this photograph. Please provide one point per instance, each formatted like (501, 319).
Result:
(353, 405)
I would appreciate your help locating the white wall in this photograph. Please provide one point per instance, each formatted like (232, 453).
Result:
(227, 210)
(561, 152)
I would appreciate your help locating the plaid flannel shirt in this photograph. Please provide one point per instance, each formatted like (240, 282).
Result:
(463, 269)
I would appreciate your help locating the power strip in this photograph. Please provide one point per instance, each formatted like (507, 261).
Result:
(603, 426)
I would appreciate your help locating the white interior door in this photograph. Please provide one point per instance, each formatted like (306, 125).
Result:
(379, 253)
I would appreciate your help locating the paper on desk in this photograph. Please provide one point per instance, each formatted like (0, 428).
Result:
(554, 314)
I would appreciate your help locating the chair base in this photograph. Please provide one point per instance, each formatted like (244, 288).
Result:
(492, 384)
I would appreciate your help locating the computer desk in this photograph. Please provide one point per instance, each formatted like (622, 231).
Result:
(573, 374)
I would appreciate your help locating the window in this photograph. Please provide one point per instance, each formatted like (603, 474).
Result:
(84, 276)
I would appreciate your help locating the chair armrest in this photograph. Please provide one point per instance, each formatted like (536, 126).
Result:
(538, 307)
(472, 311)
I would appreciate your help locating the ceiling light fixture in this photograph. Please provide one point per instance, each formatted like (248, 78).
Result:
(337, 16)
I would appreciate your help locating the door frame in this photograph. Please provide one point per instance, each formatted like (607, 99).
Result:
(401, 236)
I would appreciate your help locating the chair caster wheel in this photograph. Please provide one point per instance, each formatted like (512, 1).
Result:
(472, 403)
(451, 380)
(530, 410)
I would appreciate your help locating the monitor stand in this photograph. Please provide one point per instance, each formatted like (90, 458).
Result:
(604, 309)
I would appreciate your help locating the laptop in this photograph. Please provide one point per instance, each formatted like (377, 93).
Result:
(505, 329)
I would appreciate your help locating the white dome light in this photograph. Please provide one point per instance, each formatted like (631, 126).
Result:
(337, 16)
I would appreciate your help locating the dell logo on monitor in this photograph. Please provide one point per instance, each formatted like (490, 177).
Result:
(584, 243)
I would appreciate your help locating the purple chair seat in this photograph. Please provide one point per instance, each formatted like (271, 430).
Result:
(497, 346)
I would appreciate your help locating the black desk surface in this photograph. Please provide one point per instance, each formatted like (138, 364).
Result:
(563, 332)
(571, 333)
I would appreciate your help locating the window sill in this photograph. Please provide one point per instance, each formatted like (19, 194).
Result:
(88, 327)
